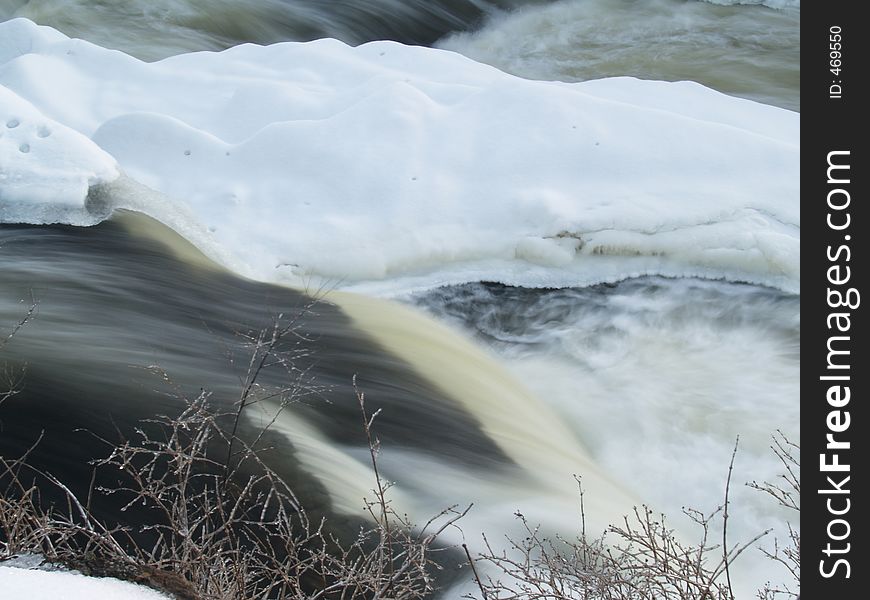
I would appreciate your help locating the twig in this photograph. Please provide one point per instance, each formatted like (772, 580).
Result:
(725, 520)
(29, 315)
(474, 571)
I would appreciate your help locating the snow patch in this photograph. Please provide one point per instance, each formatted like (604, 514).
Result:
(51, 585)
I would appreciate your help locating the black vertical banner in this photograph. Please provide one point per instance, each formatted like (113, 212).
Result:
(834, 369)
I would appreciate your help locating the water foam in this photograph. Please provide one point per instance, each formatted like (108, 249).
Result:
(658, 377)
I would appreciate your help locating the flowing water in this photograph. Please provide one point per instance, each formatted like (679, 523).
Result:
(747, 51)
(642, 385)
(132, 319)
(650, 371)
(152, 30)
(745, 48)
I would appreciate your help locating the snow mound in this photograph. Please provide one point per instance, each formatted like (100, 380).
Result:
(46, 168)
(387, 166)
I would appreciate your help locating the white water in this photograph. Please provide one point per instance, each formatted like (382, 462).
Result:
(747, 51)
(658, 377)
(546, 450)
(713, 360)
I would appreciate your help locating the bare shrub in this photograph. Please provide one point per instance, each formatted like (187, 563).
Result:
(786, 493)
(638, 559)
(223, 524)
(217, 537)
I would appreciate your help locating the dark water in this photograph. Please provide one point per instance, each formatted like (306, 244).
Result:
(156, 29)
(508, 317)
(125, 330)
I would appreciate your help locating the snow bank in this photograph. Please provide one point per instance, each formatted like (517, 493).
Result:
(45, 168)
(386, 166)
(51, 585)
